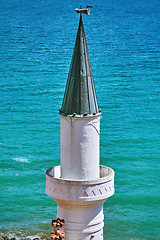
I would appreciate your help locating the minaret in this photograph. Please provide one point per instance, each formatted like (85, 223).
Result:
(80, 185)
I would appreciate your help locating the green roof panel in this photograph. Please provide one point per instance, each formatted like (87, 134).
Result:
(80, 96)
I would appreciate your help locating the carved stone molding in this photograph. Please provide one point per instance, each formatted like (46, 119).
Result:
(79, 190)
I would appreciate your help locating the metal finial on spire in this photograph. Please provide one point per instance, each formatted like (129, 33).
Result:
(84, 10)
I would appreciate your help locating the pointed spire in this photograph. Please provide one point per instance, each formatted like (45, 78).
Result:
(80, 96)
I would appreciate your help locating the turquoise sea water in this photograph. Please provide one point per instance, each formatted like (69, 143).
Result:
(36, 45)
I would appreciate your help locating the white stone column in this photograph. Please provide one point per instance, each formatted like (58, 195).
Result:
(80, 202)
(80, 147)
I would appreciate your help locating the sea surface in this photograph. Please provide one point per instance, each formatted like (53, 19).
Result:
(36, 44)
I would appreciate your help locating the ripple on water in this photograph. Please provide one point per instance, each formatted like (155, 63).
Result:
(21, 159)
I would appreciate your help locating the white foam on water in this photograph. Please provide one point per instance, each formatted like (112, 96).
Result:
(32, 237)
(21, 159)
(13, 235)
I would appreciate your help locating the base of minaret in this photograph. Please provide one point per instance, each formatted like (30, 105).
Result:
(80, 202)
(82, 220)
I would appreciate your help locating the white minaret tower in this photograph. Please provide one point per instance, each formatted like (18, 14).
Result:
(80, 185)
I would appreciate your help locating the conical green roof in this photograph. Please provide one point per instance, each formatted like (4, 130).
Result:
(80, 96)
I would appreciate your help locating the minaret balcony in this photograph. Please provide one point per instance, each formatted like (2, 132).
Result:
(80, 190)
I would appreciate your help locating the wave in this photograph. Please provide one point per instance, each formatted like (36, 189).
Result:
(21, 159)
